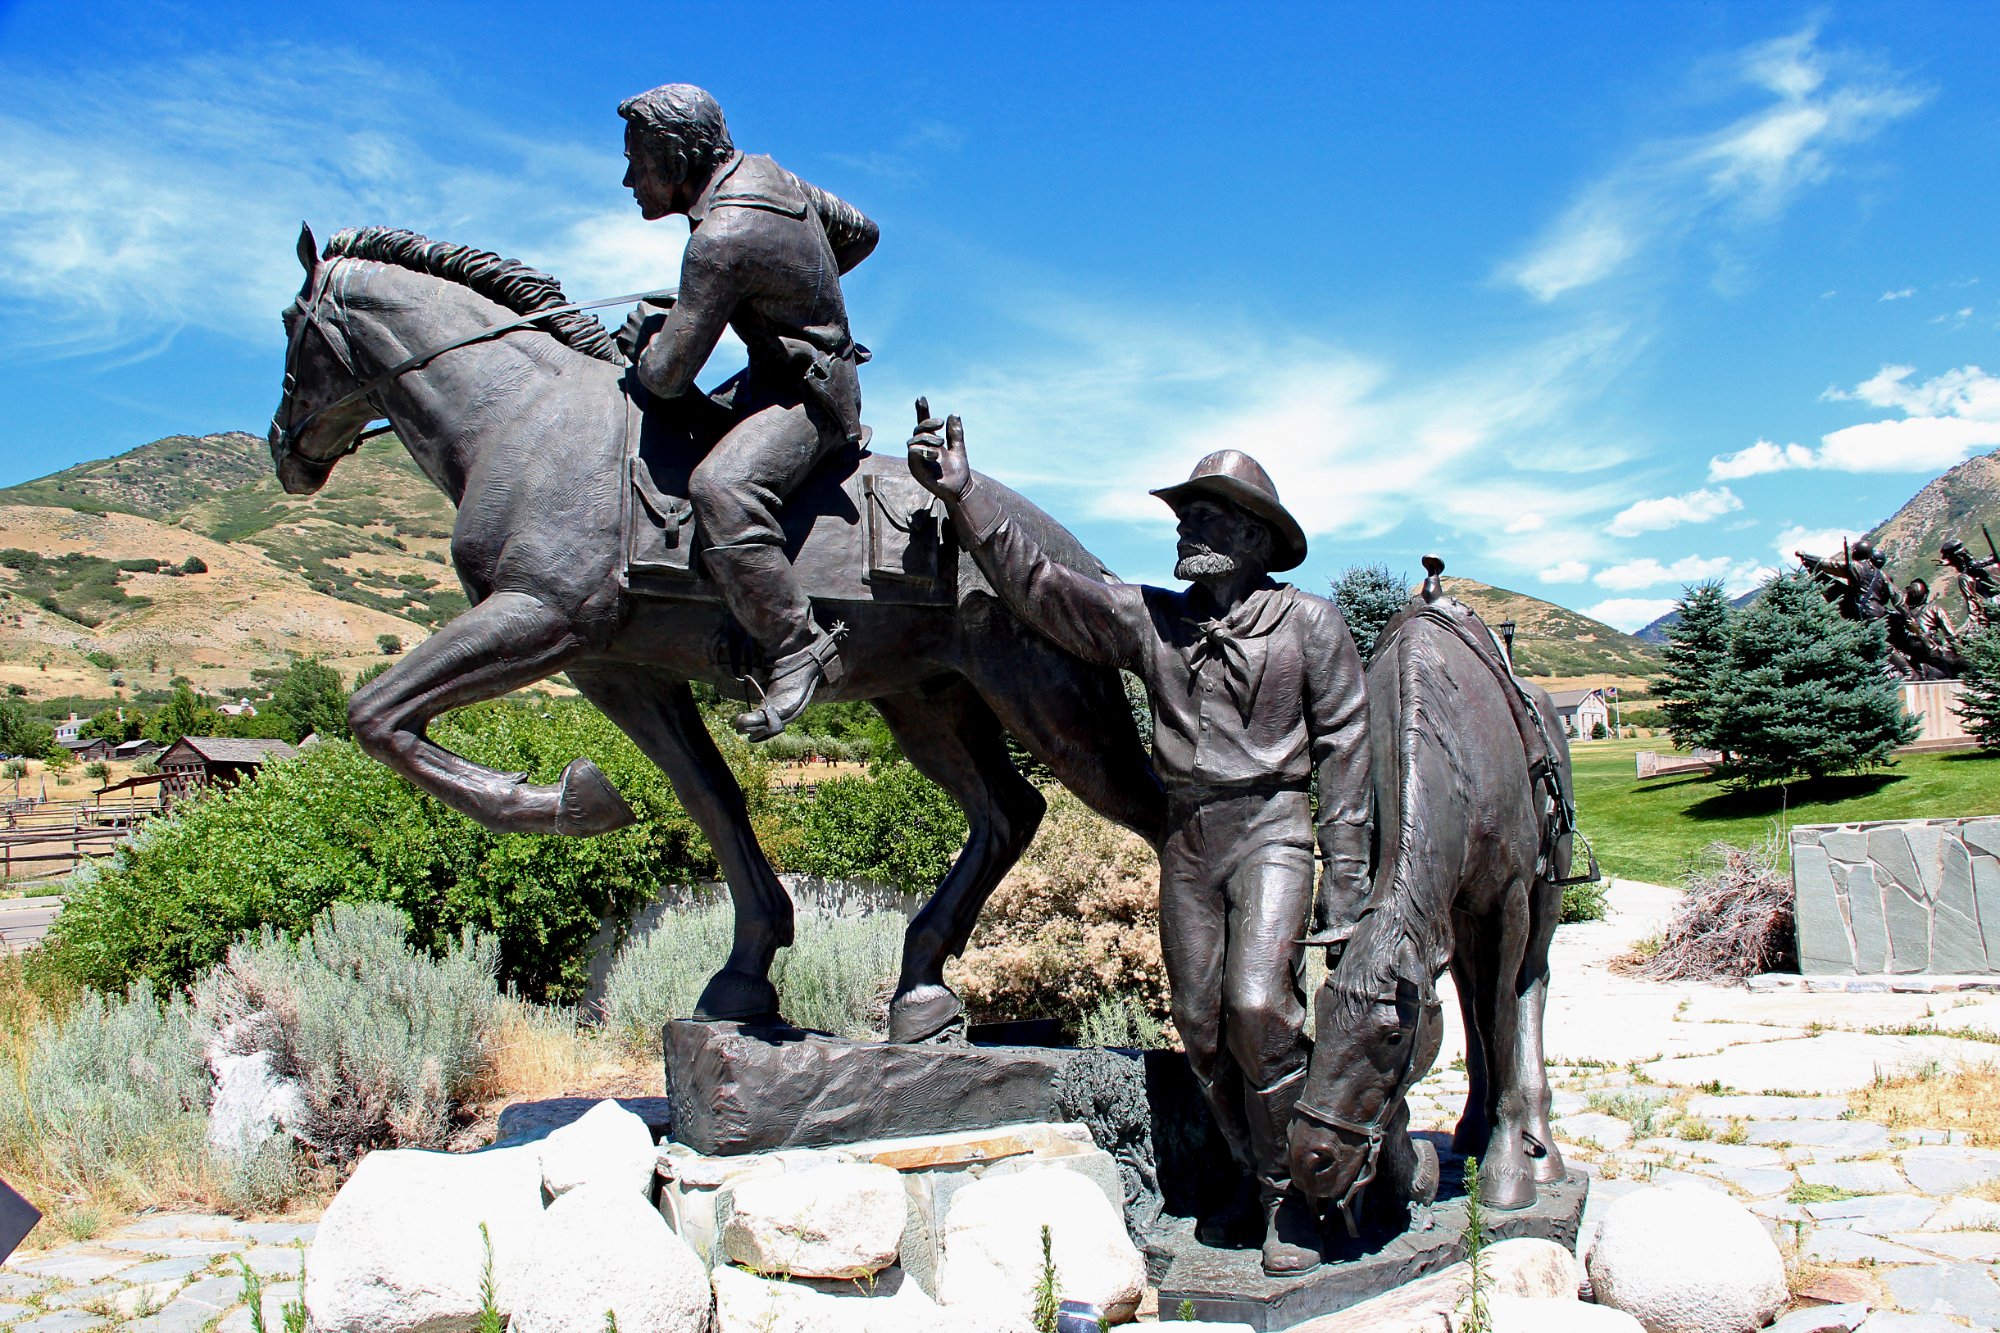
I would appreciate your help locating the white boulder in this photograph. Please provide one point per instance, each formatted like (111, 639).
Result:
(892, 1303)
(1683, 1258)
(1542, 1314)
(842, 1220)
(399, 1249)
(601, 1250)
(993, 1246)
(605, 1145)
(253, 1104)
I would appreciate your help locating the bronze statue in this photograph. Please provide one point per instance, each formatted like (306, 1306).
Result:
(1472, 783)
(522, 412)
(1978, 584)
(765, 255)
(1256, 689)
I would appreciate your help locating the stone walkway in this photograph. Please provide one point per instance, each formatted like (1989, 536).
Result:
(170, 1273)
(1743, 1089)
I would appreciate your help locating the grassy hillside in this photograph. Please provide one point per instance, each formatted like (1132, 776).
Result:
(90, 559)
(1551, 640)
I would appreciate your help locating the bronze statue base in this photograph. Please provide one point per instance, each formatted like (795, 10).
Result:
(1231, 1286)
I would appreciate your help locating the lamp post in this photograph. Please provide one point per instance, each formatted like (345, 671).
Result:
(1507, 637)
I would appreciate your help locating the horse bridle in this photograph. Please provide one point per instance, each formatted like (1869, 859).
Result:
(288, 433)
(1372, 1133)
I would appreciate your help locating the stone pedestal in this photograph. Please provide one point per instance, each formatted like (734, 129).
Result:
(1230, 1285)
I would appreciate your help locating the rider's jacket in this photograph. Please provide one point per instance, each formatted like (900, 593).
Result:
(764, 257)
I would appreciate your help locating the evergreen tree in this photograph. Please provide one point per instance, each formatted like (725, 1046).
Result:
(1808, 692)
(1979, 697)
(1697, 657)
(1367, 596)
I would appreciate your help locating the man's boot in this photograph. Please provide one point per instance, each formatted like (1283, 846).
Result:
(1292, 1241)
(764, 595)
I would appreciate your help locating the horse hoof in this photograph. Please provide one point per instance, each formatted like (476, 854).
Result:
(1548, 1168)
(738, 997)
(1423, 1189)
(589, 803)
(924, 1014)
(1508, 1193)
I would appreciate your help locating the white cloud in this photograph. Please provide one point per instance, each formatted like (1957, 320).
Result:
(1822, 542)
(1746, 170)
(1759, 458)
(1900, 294)
(1567, 571)
(1649, 573)
(111, 234)
(1947, 418)
(1630, 613)
(1669, 511)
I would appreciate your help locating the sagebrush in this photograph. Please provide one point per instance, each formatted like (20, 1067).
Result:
(385, 1042)
(835, 977)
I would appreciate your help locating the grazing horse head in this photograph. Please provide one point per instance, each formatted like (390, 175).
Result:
(1379, 1027)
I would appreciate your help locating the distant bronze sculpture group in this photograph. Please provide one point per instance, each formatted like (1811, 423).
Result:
(1923, 640)
(618, 524)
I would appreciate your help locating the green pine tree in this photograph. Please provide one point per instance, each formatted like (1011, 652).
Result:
(1367, 596)
(1979, 698)
(1697, 657)
(1806, 692)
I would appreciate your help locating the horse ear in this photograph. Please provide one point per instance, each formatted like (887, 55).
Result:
(308, 248)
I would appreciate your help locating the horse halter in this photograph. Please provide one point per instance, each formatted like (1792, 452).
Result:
(1373, 1132)
(287, 433)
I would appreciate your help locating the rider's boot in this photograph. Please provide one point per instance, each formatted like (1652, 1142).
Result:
(764, 595)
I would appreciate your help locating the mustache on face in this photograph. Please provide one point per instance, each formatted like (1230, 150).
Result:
(1198, 561)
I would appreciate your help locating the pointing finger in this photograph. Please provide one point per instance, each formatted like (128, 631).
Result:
(923, 409)
(954, 432)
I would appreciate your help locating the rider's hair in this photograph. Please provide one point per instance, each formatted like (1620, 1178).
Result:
(683, 124)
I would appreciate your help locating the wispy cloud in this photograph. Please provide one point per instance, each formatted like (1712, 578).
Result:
(1736, 576)
(1745, 171)
(1565, 571)
(1900, 294)
(1671, 511)
(1822, 542)
(170, 195)
(1945, 420)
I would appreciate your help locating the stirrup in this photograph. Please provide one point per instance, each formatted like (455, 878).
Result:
(820, 658)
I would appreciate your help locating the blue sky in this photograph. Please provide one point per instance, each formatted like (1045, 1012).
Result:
(1590, 299)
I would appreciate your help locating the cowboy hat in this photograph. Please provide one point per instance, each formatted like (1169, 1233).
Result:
(1235, 477)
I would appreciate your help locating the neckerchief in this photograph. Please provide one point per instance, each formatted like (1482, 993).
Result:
(1221, 641)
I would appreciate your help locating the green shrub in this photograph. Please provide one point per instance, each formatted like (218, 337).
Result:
(385, 1042)
(1122, 1021)
(334, 825)
(894, 826)
(1582, 902)
(834, 977)
(110, 1097)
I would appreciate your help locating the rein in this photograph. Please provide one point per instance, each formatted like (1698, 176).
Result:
(289, 433)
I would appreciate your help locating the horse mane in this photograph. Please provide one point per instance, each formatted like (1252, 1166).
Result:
(506, 282)
(1397, 931)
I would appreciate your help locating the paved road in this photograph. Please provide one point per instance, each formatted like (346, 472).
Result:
(23, 921)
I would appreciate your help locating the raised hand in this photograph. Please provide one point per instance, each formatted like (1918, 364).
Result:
(937, 454)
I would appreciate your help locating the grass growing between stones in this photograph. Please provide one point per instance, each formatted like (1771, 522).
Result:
(1967, 1100)
(1656, 830)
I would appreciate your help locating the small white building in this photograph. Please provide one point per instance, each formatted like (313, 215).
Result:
(241, 708)
(1582, 712)
(67, 729)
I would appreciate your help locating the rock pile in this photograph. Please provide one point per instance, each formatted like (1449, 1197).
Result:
(911, 1236)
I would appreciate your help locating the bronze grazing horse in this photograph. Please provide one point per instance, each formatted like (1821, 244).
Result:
(520, 409)
(1475, 819)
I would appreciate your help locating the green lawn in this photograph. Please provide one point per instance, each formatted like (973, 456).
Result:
(1653, 830)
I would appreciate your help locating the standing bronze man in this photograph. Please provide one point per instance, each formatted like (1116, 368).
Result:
(1256, 688)
(765, 255)
(1978, 584)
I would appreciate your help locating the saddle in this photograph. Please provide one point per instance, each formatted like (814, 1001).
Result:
(858, 529)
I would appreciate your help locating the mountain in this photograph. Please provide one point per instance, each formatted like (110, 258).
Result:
(1551, 640)
(1956, 504)
(92, 588)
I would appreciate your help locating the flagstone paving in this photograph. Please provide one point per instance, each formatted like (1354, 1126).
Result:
(1742, 1089)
